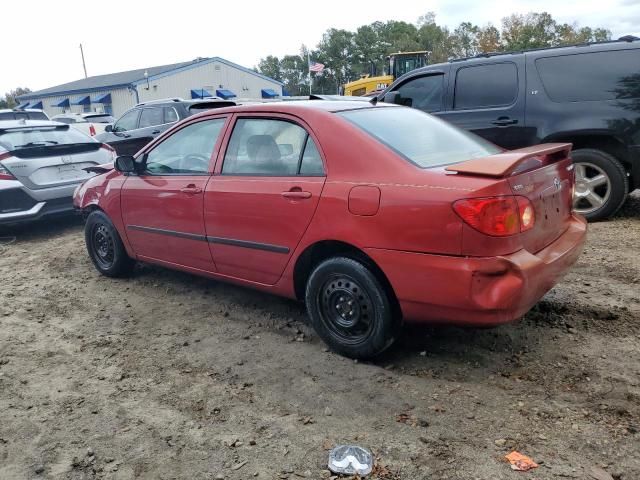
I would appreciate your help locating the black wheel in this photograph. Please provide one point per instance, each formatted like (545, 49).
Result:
(105, 246)
(602, 184)
(350, 309)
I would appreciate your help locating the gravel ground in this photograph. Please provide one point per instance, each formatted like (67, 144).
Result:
(166, 375)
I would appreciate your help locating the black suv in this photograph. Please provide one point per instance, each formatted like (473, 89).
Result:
(145, 121)
(587, 94)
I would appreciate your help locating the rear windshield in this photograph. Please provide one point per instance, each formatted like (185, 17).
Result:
(39, 137)
(25, 115)
(99, 118)
(424, 140)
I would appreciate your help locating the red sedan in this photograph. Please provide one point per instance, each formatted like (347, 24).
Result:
(372, 215)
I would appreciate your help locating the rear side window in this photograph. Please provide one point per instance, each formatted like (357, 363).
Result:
(151, 117)
(265, 147)
(591, 76)
(170, 115)
(486, 86)
(422, 139)
(423, 93)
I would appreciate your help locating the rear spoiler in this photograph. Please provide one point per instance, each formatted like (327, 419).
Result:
(98, 169)
(515, 161)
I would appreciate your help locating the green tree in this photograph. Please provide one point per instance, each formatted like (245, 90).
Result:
(10, 98)
(489, 39)
(270, 66)
(533, 30)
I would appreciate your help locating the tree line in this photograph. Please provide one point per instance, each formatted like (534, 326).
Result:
(10, 98)
(347, 55)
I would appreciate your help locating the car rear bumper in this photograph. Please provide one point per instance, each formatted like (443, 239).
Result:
(481, 291)
(18, 204)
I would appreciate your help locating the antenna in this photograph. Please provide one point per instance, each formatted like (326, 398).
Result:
(83, 64)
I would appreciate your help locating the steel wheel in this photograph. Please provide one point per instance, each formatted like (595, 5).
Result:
(103, 245)
(593, 188)
(346, 309)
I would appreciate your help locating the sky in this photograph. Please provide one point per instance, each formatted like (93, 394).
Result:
(41, 38)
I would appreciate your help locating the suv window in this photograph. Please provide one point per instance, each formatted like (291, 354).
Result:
(264, 147)
(186, 152)
(151, 117)
(170, 115)
(129, 121)
(588, 76)
(66, 120)
(99, 118)
(485, 86)
(423, 93)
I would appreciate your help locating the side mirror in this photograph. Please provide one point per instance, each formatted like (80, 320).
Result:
(108, 128)
(125, 164)
(392, 97)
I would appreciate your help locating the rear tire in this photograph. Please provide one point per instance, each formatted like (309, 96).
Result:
(105, 246)
(602, 184)
(350, 309)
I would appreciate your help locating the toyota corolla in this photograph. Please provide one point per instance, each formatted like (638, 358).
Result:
(371, 215)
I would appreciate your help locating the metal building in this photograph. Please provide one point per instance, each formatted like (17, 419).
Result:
(115, 93)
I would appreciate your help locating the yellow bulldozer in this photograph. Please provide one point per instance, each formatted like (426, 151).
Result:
(399, 64)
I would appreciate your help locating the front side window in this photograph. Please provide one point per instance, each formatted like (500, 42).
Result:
(422, 139)
(129, 121)
(423, 93)
(150, 117)
(186, 152)
(591, 76)
(264, 147)
(486, 86)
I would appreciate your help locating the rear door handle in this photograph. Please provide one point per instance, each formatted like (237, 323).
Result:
(504, 122)
(296, 194)
(191, 189)
(155, 132)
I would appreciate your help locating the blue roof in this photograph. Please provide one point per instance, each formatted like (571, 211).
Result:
(200, 93)
(102, 99)
(82, 101)
(22, 106)
(269, 93)
(62, 104)
(132, 78)
(36, 105)
(225, 94)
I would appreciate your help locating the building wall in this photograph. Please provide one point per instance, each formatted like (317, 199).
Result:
(122, 99)
(210, 76)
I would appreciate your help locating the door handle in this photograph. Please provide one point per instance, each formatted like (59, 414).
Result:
(155, 132)
(504, 122)
(191, 189)
(296, 193)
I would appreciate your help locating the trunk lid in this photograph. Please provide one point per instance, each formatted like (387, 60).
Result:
(54, 165)
(544, 175)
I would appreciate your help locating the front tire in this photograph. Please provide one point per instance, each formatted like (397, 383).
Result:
(350, 309)
(601, 184)
(105, 246)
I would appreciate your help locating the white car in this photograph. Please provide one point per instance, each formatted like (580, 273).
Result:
(88, 123)
(22, 113)
(41, 165)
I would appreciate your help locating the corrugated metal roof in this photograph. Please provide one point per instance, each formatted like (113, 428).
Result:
(102, 82)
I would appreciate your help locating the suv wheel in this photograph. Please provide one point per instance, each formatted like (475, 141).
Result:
(601, 184)
(105, 246)
(350, 309)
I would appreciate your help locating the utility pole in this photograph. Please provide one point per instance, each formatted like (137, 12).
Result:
(83, 64)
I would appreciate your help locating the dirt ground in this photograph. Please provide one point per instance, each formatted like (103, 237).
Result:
(167, 375)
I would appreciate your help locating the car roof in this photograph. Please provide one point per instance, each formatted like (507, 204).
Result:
(17, 124)
(298, 106)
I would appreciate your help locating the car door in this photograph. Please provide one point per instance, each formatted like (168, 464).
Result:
(263, 197)
(488, 99)
(162, 207)
(121, 136)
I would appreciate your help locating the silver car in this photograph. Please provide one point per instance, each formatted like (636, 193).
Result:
(41, 164)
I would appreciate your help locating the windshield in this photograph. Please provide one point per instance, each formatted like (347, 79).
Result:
(424, 140)
(39, 137)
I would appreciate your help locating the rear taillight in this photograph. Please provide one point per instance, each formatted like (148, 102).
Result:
(92, 130)
(4, 173)
(109, 149)
(497, 216)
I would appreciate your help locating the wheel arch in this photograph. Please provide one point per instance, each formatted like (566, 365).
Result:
(322, 250)
(606, 142)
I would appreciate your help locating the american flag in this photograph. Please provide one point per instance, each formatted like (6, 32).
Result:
(315, 66)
